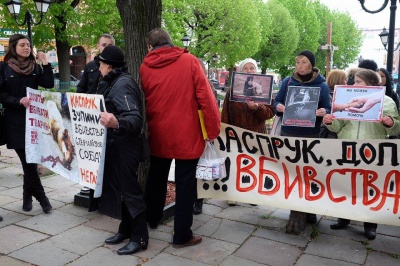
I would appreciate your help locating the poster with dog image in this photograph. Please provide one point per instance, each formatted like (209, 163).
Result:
(300, 106)
(252, 87)
(51, 138)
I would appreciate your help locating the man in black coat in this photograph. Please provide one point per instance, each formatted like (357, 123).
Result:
(91, 75)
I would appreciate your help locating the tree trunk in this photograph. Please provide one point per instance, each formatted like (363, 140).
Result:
(138, 18)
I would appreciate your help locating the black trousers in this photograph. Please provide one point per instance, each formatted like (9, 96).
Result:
(156, 190)
(136, 227)
(366, 225)
(32, 183)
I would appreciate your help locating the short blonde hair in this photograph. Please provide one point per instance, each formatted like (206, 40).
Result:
(336, 77)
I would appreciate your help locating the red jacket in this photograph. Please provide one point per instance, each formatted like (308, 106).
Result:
(175, 88)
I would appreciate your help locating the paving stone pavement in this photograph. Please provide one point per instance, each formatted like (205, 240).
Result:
(240, 235)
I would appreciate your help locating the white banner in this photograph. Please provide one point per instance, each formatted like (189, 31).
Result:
(354, 179)
(63, 134)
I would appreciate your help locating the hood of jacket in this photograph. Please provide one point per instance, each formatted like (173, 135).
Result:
(163, 56)
(315, 79)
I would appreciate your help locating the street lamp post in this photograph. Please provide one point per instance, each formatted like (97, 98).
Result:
(384, 39)
(14, 7)
(392, 24)
(186, 41)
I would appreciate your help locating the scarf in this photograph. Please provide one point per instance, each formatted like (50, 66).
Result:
(23, 68)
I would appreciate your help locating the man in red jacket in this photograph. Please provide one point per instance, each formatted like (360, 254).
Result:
(175, 88)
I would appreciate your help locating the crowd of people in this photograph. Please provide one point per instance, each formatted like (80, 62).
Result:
(171, 76)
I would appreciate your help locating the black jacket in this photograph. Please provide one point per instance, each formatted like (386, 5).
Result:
(90, 78)
(12, 89)
(123, 99)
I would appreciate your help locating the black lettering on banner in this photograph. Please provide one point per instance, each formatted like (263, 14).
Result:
(276, 143)
(307, 150)
(260, 146)
(296, 149)
(250, 135)
(348, 153)
(232, 135)
(221, 143)
(393, 155)
(367, 153)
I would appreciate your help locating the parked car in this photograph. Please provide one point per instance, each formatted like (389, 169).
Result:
(216, 84)
(73, 81)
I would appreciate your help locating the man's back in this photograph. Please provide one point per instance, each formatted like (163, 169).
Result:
(176, 87)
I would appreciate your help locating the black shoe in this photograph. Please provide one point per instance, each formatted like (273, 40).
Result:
(118, 238)
(132, 247)
(311, 218)
(46, 206)
(1, 218)
(27, 202)
(339, 224)
(253, 204)
(198, 206)
(370, 233)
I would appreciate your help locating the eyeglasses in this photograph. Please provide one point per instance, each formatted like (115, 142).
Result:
(105, 44)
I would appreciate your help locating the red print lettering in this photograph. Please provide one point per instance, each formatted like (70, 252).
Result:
(309, 174)
(390, 186)
(268, 174)
(244, 164)
(289, 187)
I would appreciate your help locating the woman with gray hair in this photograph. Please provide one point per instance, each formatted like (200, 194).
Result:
(248, 115)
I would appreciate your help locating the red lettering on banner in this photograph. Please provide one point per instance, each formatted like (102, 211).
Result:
(245, 169)
(329, 188)
(88, 176)
(369, 178)
(389, 185)
(269, 173)
(289, 187)
(83, 102)
(309, 175)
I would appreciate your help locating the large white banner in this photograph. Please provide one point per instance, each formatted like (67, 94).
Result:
(63, 134)
(354, 179)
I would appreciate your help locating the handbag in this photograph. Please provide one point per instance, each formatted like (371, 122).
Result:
(276, 126)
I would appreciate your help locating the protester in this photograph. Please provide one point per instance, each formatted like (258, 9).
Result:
(305, 75)
(248, 115)
(175, 88)
(19, 71)
(351, 129)
(387, 81)
(336, 77)
(198, 203)
(91, 76)
(367, 64)
(122, 196)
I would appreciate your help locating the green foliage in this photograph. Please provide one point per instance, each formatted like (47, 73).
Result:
(230, 29)
(283, 38)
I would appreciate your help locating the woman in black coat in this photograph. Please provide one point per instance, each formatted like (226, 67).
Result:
(18, 72)
(122, 196)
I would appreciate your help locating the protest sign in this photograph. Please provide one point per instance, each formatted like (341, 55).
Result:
(90, 138)
(300, 106)
(251, 87)
(63, 133)
(363, 103)
(48, 135)
(358, 179)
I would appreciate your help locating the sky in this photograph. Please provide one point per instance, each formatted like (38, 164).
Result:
(363, 19)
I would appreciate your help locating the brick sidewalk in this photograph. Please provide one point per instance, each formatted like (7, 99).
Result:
(240, 235)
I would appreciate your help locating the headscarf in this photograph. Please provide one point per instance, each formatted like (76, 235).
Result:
(247, 60)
